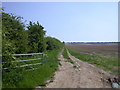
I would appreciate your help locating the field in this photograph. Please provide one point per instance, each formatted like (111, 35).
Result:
(109, 49)
(103, 55)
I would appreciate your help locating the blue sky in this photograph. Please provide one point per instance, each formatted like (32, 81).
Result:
(71, 21)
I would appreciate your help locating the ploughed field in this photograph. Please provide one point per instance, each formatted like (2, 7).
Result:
(103, 55)
(109, 49)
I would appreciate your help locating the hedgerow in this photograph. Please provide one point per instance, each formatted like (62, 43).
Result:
(17, 40)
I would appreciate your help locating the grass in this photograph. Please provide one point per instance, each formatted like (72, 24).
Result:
(66, 56)
(100, 61)
(69, 60)
(39, 76)
(0, 81)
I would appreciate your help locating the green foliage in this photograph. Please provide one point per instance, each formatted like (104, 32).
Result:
(17, 40)
(36, 37)
(67, 57)
(13, 34)
(39, 76)
(53, 43)
(65, 54)
(14, 41)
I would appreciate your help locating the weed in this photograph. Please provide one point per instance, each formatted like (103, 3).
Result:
(60, 64)
(43, 84)
(75, 67)
(69, 60)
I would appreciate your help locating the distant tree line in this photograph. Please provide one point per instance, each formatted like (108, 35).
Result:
(17, 40)
(92, 42)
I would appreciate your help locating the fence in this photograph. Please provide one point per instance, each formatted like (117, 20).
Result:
(28, 60)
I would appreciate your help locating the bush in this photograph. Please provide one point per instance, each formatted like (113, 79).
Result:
(17, 40)
(53, 43)
(36, 37)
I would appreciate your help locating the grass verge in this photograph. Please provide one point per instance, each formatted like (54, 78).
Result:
(65, 55)
(31, 79)
(106, 63)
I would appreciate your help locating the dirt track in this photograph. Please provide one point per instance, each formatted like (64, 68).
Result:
(78, 75)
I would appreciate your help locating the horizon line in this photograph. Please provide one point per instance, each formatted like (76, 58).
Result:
(91, 41)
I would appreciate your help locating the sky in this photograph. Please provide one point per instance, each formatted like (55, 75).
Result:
(71, 21)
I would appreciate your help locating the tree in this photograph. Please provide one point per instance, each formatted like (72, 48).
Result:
(53, 43)
(17, 40)
(14, 40)
(13, 35)
(36, 35)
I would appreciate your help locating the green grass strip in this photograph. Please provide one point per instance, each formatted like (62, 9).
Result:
(65, 55)
(106, 63)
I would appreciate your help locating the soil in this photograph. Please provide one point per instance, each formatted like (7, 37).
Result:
(108, 49)
(78, 75)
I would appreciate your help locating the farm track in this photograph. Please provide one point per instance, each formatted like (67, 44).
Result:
(78, 75)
